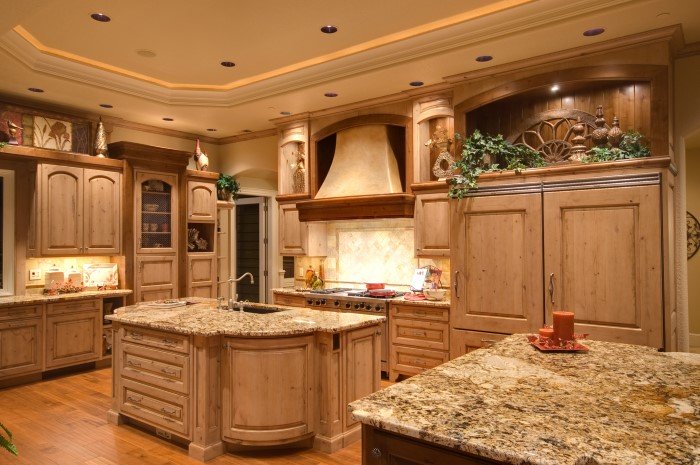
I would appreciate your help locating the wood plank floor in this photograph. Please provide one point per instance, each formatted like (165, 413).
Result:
(62, 421)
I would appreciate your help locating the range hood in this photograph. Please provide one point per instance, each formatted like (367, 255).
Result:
(363, 180)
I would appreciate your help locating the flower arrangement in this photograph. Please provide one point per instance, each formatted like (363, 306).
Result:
(66, 287)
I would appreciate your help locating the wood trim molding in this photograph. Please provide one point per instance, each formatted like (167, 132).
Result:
(357, 207)
(141, 153)
(205, 176)
(665, 34)
(688, 50)
(247, 136)
(20, 152)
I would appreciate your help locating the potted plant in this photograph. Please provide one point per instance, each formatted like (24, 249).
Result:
(483, 153)
(226, 186)
(6, 441)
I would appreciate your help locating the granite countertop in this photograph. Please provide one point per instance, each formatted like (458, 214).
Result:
(28, 299)
(203, 318)
(617, 404)
(400, 300)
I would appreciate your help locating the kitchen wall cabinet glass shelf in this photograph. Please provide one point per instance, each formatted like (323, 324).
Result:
(156, 216)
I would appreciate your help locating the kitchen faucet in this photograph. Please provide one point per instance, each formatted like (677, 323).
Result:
(232, 302)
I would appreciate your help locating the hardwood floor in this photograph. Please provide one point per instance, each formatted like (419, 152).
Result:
(62, 421)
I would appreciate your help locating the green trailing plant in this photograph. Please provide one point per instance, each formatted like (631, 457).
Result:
(633, 145)
(6, 440)
(228, 185)
(501, 155)
(2, 144)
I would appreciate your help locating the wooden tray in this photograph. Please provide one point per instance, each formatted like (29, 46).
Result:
(535, 341)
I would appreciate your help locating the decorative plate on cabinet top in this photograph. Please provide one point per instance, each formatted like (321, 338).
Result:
(693, 234)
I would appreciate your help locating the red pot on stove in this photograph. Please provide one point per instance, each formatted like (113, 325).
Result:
(382, 293)
(372, 286)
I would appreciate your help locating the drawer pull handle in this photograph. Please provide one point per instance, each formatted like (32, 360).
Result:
(168, 411)
(169, 342)
(134, 364)
(168, 371)
(136, 399)
(420, 313)
(376, 453)
(420, 333)
(137, 336)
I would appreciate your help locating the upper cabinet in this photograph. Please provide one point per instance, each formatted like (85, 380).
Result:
(80, 211)
(156, 207)
(201, 201)
(432, 223)
(300, 238)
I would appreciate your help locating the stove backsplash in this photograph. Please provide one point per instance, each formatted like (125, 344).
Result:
(362, 251)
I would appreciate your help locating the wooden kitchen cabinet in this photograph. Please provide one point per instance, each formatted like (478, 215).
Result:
(21, 338)
(73, 333)
(300, 238)
(156, 212)
(201, 201)
(496, 260)
(603, 261)
(464, 341)
(279, 298)
(156, 277)
(201, 275)
(362, 346)
(432, 224)
(274, 399)
(80, 211)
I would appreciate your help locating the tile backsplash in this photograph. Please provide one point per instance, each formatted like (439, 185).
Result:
(362, 251)
(63, 263)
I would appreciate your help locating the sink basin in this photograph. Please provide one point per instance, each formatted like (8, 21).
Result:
(259, 310)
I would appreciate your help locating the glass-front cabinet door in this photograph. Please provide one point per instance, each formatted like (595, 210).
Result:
(156, 212)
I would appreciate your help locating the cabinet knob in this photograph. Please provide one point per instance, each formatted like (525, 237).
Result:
(376, 453)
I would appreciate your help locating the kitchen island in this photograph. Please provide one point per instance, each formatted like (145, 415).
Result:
(511, 404)
(267, 376)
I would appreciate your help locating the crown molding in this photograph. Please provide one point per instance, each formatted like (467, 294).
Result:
(247, 136)
(432, 42)
(688, 50)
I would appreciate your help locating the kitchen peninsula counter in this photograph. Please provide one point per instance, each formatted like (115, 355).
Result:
(221, 379)
(511, 404)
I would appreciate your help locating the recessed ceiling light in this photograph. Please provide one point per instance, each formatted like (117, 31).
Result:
(484, 58)
(415, 83)
(228, 64)
(285, 113)
(146, 53)
(35, 89)
(596, 31)
(554, 88)
(247, 130)
(330, 94)
(168, 119)
(329, 29)
(211, 129)
(103, 18)
(106, 105)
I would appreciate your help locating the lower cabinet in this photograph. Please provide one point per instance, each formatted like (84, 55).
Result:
(73, 338)
(362, 348)
(287, 299)
(156, 278)
(21, 346)
(380, 448)
(464, 341)
(201, 275)
(267, 389)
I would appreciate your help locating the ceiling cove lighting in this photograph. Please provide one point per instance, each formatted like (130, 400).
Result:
(554, 88)
(103, 18)
(168, 119)
(484, 58)
(329, 29)
(596, 31)
(228, 64)
(330, 94)
(35, 89)
(415, 83)
(106, 105)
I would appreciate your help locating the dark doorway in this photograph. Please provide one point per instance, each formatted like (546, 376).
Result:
(250, 248)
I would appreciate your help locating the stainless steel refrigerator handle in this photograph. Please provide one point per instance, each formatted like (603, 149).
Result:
(456, 284)
(551, 287)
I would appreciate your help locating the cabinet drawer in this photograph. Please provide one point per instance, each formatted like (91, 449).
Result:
(161, 368)
(13, 313)
(154, 406)
(417, 333)
(291, 300)
(463, 341)
(159, 339)
(410, 360)
(72, 307)
(422, 312)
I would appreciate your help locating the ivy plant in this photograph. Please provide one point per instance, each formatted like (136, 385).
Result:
(502, 155)
(6, 440)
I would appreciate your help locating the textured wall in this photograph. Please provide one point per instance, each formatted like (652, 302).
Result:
(692, 172)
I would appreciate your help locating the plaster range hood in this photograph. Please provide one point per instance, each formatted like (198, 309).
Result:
(363, 181)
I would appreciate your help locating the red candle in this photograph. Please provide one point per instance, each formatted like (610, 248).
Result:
(563, 325)
(546, 333)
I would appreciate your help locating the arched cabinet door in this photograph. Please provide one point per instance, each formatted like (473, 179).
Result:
(102, 212)
(201, 201)
(62, 210)
(156, 211)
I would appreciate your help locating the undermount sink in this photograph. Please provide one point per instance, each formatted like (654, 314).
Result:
(259, 310)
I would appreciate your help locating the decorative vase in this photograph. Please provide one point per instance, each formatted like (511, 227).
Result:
(615, 134)
(599, 136)
(101, 141)
(224, 195)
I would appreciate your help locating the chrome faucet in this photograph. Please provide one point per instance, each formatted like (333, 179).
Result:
(232, 302)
